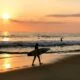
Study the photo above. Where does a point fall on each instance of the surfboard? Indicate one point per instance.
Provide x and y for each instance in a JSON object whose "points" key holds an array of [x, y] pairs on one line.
{"points": [[41, 51]]}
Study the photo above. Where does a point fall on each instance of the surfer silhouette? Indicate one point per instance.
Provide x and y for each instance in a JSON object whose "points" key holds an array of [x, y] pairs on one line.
{"points": [[36, 54]]}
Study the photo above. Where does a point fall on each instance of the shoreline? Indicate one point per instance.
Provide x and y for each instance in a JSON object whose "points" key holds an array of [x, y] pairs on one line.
{"points": [[17, 52]]}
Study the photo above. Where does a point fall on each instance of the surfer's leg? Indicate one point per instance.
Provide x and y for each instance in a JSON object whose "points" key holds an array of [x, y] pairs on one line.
{"points": [[39, 59], [33, 60]]}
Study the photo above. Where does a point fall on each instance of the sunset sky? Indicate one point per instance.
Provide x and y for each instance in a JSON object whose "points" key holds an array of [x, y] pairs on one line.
{"points": [[40, 16]]}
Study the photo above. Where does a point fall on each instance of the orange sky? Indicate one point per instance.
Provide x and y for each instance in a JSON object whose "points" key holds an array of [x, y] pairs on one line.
{"points": [[41, 15], [62, 25]]}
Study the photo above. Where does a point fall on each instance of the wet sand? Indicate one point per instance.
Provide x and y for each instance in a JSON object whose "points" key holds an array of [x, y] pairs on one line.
{"points": [[9, 62], [65, 69]]}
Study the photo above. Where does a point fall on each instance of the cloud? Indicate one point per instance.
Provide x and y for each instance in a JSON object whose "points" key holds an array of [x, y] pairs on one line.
{"points": [[17, 21], [36, 22], [63, 15]]}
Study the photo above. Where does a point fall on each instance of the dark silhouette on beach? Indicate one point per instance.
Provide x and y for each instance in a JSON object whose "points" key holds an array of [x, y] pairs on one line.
{"points": [[37, 54]]}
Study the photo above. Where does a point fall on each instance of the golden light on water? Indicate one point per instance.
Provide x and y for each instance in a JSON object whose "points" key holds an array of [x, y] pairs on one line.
{"points": [[5, 39], [6, 55], [5, 33], [6, 36], [7, 64]]}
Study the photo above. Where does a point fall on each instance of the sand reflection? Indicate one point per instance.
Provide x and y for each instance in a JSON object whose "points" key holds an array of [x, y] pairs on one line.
{"points": [[13, 62], [7, 66], [7, 62]]}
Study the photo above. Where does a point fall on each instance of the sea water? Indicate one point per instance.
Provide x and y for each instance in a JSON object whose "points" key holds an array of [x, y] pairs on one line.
{"points": [[25, 43]]}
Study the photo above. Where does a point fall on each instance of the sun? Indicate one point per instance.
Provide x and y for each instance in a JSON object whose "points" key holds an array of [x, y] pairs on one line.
{"points": [[6, 16]]}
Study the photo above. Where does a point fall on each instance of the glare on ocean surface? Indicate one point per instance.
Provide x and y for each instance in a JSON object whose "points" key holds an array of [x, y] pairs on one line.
{"points": [[5, 38], [5, 33]]}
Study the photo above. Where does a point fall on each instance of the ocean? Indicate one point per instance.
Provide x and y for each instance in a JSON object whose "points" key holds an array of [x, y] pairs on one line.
{"points": [[15, 46]]}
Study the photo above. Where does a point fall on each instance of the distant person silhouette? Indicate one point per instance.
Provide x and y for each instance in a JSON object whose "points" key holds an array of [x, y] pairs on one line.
{"points": [[37, 54], [61, 39]]}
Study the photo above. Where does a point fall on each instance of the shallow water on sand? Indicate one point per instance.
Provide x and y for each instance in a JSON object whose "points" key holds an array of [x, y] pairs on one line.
{"points": [[19, 61]]}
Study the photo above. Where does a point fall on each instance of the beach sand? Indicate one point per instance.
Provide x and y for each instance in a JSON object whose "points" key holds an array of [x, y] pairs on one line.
{"points": [[64, 69]]}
